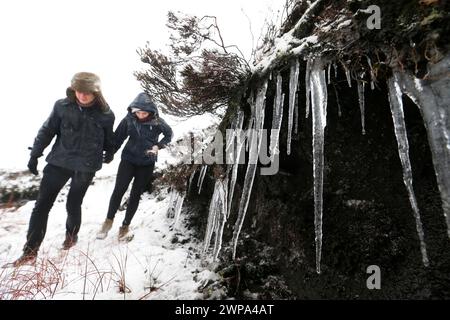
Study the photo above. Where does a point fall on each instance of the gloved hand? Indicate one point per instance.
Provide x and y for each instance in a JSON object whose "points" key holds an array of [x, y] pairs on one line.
{"points": [[153, 150], [32, 165], [108, 157], [152, 156]]}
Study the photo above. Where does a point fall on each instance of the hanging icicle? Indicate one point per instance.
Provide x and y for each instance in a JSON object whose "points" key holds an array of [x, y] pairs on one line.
{"points": [[229, 144], [201, 177], [191, 179], [361, 85], [212, 217], [432, 96], [217, 217], [347, 75], [178, 206], [251, 124], [255, 145], [329, 73], [296, 116], [307, 87], [240, 140], [395, 100], [372, 74], [319, 99], [175, 205], [337, 101], [293, 82], [276, 119], [221, 217], [172, 203]]}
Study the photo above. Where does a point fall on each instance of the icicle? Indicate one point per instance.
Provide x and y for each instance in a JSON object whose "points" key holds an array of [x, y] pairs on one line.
{"points": [[191, 179], [250, 126], [234, 170], [212, 216], [319, 101], [275, 111], [252, 164], [335, 70], [432, 96], [175, 205], [329, 71], [178, 206], [337, 101], [347, 75], [295, 114], [231, 135], [307, 86], [361, 85], [221, 217], [293, 82], [277, 119], [246, 192], [258, 121], [395, 99], [172, 203], [372, 74], [201, 178], [229, 145], [217, 217]]}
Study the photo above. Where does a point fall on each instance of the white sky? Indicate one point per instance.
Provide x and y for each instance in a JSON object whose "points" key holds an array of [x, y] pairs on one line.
{"points": [[43, 43]]}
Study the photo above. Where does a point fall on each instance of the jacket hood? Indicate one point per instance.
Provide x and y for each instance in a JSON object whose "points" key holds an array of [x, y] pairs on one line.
{"points": [[98, 95], [145, 103]]}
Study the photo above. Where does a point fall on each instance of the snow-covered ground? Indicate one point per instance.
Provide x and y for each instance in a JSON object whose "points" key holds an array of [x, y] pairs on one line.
{"points": [[162, 261]]}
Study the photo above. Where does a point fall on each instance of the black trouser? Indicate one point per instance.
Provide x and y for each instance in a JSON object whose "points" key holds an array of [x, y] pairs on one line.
{"points": [[127, 171], [52, 182]]}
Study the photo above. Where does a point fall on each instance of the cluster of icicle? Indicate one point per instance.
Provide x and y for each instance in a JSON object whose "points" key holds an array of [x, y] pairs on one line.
{"points": [[431, 98], [175, 205]]}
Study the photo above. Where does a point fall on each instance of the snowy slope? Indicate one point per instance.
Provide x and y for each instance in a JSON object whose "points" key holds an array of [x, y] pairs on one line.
{"points": [[150, 265], [163, 261]]}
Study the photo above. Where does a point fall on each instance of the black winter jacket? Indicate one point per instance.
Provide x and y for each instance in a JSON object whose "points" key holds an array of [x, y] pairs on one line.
{"points": [[82, 134], [142, 135]]}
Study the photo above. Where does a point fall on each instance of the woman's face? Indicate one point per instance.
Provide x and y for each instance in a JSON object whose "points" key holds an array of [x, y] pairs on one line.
{"points": [[85, 97], [141, 114]]}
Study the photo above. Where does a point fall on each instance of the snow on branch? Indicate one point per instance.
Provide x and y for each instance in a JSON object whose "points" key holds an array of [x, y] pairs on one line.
{"points": [[292, 42]]}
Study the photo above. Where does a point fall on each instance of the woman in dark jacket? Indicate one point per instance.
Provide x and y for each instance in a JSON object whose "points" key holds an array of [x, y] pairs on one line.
{"points": [[142, 126]]}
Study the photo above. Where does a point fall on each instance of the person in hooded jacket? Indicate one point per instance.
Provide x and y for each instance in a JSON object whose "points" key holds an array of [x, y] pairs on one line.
{"points": [[142, 126], [83, 126]]}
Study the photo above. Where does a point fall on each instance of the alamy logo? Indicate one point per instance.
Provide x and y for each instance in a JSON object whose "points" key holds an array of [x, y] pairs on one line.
{"points": [[235, 144], [374, 21], [374, 280]]}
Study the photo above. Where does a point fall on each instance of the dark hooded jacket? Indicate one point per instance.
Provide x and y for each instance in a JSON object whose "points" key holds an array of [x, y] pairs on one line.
{"points": [[82, 134], [142, 135]]}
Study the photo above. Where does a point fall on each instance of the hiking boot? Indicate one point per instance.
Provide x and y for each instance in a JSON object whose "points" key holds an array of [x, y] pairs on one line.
{"points": [[123, 232], [106, 226], [69, 242], [25, 259]]}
